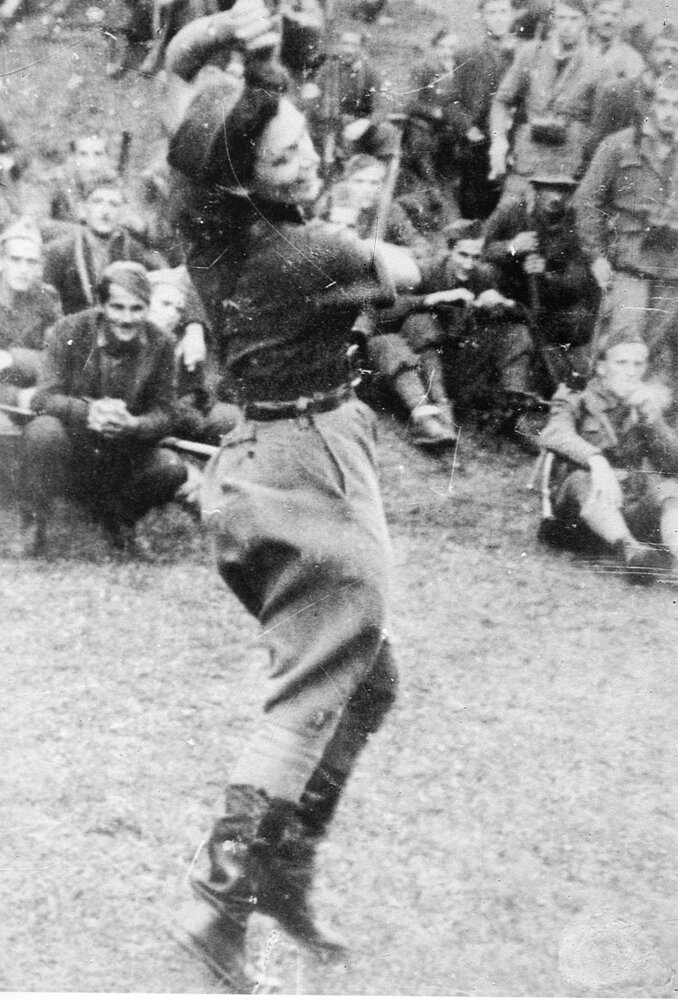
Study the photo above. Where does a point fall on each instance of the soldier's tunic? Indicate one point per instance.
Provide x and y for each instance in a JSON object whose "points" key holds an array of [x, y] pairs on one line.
{"points": [[645, 458], [24, 318], [553, 97], [627, 211], [74, 263], [122, 478]]}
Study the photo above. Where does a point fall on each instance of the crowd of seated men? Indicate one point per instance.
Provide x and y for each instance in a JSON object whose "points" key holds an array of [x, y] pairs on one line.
{"points": [[499, 199]]}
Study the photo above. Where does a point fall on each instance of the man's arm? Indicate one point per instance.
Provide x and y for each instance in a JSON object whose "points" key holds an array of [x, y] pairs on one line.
{"points": [[592, 204], [509, 96], [561, 435], [52, 396]]}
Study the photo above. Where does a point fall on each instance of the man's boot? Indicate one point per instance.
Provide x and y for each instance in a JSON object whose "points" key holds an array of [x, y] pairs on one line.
{"points": [[287, 864], [215, 927]]}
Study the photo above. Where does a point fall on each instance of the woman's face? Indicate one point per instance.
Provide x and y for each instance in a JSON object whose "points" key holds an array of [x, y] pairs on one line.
{"points": [[286, 170]]}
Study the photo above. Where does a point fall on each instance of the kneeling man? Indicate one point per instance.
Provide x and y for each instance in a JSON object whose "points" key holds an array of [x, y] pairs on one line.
{"points": [[105, 399], [622, 459]]}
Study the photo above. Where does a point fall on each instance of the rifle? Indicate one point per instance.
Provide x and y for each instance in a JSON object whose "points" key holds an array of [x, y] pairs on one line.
{"points": [[123, 155], [391, 179], [196, 448], [329, 115]]}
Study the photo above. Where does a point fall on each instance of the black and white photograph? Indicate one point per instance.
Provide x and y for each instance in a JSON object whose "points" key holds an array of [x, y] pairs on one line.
{"points": [[339, 497]]}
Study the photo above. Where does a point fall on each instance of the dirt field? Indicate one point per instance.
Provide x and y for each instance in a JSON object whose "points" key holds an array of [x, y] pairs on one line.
{"points": [[512, 830]]}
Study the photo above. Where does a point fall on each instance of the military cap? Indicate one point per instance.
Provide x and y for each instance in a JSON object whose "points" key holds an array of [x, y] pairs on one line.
{"points": [[22, 229], [623, 335], [125, 274], [176, 277], [463, 229], [563, 181]]}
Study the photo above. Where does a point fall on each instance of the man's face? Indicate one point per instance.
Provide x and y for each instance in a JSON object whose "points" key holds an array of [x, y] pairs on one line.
{"points": [[167, 307], [22, 264], [445, 51], [91, 156], [663, 55], [102, 211], [623, 369], [349, 46], [125, 312], [607, 19], [365, 185], [568, 25], [464, 257], [498, 18], [665, 113]]}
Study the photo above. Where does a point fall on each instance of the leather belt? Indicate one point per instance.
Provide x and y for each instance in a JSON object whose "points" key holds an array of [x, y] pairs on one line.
{"points": [[287, 409]]}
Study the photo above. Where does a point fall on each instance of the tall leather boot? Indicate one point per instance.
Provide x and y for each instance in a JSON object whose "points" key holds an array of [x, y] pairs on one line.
{"points": [[215, 927], [287, 862]]}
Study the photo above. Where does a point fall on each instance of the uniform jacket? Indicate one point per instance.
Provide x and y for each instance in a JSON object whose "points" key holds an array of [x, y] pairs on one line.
{"points": [[24, 318], [627, 207], [475, 82], [620, 61], [566, 289], [595, 422], [536, 88], [78, 368], [70, 265]]}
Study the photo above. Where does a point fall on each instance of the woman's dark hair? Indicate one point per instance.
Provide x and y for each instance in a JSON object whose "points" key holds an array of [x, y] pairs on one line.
{"points": [[216, 146]]}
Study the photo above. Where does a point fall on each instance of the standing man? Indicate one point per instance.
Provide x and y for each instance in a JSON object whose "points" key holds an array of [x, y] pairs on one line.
{"points": [[616, 59], [75, 262], [104, 401], [479, 71], [549, 94], [627, 207], [626, 102], [27, 308]]}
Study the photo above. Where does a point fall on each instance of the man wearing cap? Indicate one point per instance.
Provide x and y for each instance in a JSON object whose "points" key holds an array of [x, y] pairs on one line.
{"points": [[544, 105], [620, 460], [534, 244], [75, 261], [105, 399], [627, 213], [27, 308]]}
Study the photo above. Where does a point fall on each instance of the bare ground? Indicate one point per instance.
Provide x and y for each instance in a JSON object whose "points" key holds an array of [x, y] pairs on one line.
{"points": [[525, 779]]}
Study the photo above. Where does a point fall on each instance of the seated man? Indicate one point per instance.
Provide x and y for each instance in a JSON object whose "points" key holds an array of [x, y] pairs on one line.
{"points": [[105, 400], [534, 244], [75, 261], [457, 333], [27, 308], [621, 459]]}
